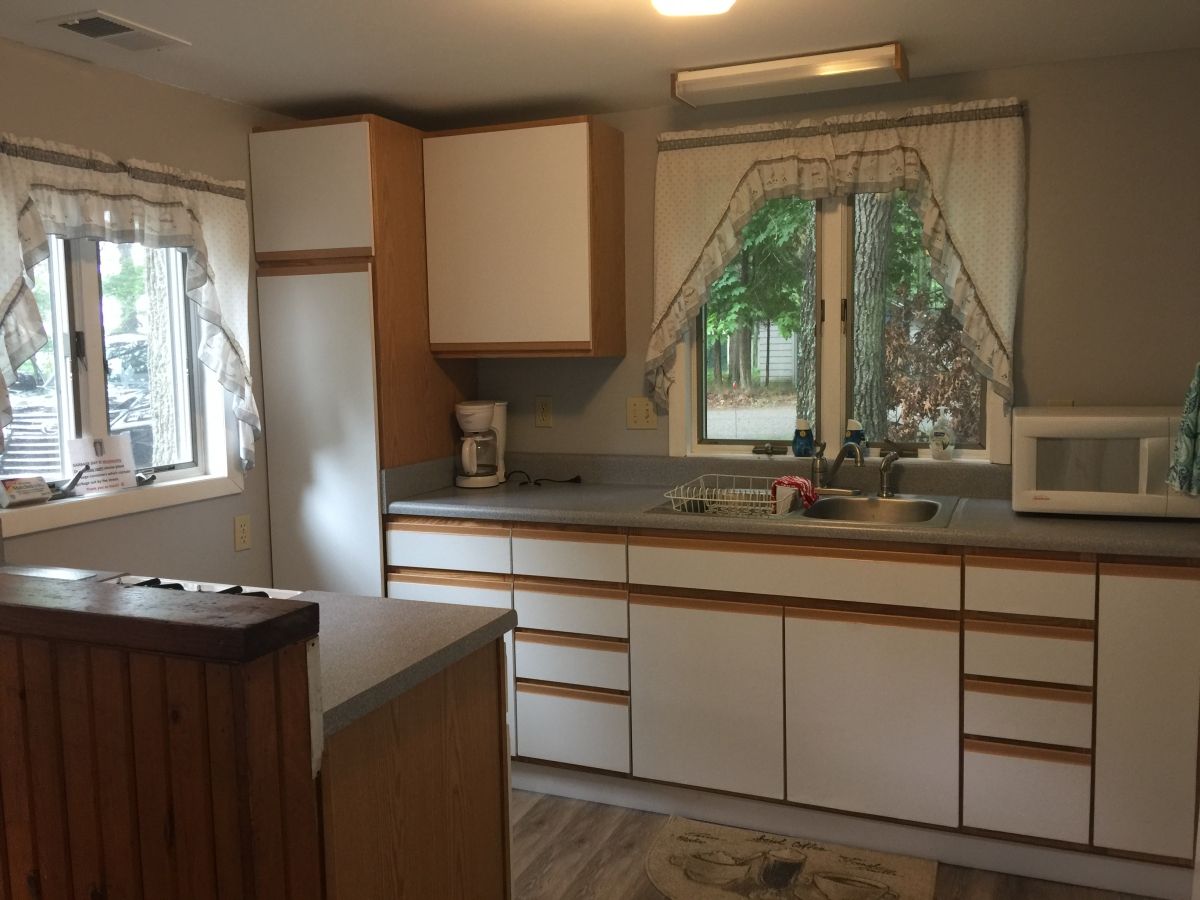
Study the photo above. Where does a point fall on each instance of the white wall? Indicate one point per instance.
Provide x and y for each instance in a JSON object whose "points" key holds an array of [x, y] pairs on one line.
{"points": [[1110, 294], [63, 99]]}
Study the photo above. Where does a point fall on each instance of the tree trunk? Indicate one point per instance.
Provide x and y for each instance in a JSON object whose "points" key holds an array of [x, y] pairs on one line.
{"points": [[767, 355], [129, 314], [745, 361], [160, 359], [806, 336], [872, 228], [716, 362]]}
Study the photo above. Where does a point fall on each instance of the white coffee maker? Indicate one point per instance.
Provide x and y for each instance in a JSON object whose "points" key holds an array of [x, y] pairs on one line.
{"points": [[481, 458]]}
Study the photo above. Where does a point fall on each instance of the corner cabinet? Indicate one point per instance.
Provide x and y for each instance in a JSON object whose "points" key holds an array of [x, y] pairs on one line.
{"points": [[525, 240]]}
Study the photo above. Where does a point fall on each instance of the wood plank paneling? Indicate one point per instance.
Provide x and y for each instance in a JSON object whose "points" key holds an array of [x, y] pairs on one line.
{"points": [[152, 765], [191, 794], [23, 877], [259, 723], [112, 725], [299, 789], [79, 770], [230, 826], [46, 769]]}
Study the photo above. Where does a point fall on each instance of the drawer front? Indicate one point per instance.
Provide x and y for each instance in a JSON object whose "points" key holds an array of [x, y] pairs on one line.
{"points": [[578, 610], [1018, 713], [1029, 652], [895, 579], [494, 592], [582, 728], [1031, 587], [587, 556], [1018, 790], [465, 548], [592, 663]]}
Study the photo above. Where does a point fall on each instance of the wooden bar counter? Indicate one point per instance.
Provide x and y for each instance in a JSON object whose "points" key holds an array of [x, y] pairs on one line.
{"points": [[158, 745]]}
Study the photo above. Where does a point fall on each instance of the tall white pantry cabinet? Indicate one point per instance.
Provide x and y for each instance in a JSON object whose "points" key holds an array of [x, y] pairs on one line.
{"points": [[349, 385]]}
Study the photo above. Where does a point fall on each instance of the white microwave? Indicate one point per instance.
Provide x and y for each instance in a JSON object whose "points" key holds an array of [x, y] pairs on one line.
{"points": [[1108, 461]]}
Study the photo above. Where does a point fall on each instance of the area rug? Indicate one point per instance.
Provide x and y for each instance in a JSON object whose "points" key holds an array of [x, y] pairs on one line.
{"points": [[697, 861]]}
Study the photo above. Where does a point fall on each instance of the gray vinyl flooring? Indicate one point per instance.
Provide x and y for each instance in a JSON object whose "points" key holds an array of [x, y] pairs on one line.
{"points": [[574, 850]]}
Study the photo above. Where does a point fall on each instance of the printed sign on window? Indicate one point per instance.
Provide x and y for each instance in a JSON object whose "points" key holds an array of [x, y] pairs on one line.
{"points": [[111, 459]]}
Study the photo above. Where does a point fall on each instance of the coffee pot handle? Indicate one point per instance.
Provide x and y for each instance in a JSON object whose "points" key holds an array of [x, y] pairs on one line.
{"points": [[470, 456]]}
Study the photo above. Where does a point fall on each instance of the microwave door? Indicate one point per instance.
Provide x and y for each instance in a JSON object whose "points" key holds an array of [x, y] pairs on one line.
{"points": [[1101, 475]]}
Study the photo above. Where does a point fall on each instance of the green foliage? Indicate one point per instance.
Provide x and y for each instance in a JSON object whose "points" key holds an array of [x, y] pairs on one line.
{"points": [[128, 285]]}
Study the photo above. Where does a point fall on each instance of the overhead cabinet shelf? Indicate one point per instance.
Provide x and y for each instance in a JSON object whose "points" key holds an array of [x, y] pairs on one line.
{"points": [[525, 240]]}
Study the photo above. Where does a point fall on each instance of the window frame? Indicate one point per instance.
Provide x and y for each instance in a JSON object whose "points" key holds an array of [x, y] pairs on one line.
{"points": [[835, 237]]}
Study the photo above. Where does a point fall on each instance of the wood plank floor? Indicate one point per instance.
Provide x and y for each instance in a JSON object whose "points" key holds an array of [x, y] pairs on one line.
{"points": [[573, 850]]}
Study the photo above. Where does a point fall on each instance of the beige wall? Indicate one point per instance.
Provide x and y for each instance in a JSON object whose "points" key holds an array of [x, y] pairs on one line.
{"points": [[1112, 283], [57, 98]]}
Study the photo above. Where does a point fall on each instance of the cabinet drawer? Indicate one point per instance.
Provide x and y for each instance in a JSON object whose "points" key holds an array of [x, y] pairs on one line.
{"points": [[585, 555], [1031, 587], [1029, 652], [865, 576], [451, 587], [1027, 791], [578, 609], [571, 660], [1020, 713], [568, 725], [465, 546]]}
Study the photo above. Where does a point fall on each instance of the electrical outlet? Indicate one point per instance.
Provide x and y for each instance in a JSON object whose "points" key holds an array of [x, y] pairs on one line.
{"points": [[241, 532], [640, 413], [543, 412]]}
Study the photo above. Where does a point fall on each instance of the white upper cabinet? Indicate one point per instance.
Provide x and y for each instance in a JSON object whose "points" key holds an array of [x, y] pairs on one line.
{"points": [[311, 190], [524, 234]]}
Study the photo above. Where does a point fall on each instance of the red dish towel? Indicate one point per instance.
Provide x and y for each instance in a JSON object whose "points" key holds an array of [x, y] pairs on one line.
{"points": [[808, 496]]}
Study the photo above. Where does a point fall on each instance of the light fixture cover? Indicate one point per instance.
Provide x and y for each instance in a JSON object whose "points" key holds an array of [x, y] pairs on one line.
{"points": [[693, 7], [791, 75]]}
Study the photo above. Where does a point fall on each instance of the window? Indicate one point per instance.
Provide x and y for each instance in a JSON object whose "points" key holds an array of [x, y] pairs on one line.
{"points": [[776, 341], [119, 360]]}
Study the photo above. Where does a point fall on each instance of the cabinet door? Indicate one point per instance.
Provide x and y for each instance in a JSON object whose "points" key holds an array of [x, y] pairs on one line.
{"points": [[872, 714], [311, 190], [1147, 697], [507, 232], [706, 688], [323, 479]]}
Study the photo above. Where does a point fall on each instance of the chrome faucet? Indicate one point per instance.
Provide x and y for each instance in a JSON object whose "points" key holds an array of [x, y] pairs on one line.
{"points": [[823, 472], [885, 475]]}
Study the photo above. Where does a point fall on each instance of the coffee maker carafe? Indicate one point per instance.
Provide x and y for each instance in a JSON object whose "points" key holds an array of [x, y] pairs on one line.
{"points": [[481, 457]]}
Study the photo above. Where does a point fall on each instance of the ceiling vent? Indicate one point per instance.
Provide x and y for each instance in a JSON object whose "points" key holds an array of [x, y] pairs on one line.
{"points": [[103, 26]]}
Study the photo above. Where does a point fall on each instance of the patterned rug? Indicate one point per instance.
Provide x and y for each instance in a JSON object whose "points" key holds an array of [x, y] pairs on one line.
{"points": [[698, 861]]}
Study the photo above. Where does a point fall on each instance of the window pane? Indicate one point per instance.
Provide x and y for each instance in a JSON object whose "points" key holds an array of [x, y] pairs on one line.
{"points": [[758, 328], [42, 395], [907, 356], [146, 349]]}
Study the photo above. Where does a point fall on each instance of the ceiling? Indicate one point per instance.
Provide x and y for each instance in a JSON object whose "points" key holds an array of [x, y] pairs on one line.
{"points": [[457, 61]]}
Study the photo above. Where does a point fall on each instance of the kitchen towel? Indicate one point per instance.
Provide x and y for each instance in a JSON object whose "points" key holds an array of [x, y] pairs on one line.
{"points": [[1184, 474]]}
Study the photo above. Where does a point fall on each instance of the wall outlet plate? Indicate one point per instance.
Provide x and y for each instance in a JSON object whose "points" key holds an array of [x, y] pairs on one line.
{"points": [[241, 532], [543, 412], [640, 413]]}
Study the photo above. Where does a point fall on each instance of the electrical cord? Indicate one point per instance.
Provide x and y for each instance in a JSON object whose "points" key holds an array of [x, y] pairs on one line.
{"points": [[528, 477], [574, 479]]}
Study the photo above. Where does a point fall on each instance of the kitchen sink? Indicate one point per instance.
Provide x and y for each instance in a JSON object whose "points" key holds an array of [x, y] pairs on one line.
{"points": [[934, 512]]}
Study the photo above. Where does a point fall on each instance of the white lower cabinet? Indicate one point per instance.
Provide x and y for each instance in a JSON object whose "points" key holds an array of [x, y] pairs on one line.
{"points": [[1027, 790], [706, 686], [573, 725], [1147, 702], [872, 713]]}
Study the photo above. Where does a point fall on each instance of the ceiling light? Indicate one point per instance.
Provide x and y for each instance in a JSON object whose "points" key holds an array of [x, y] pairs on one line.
{"points": [[692, 7], [793, 75]]}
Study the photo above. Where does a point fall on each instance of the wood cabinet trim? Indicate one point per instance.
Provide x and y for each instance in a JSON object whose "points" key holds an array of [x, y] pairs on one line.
{"points": [[723, 545], [324, 253], [600, 591], [1030, 564], [1142, 570], [513, 348], [567, 692], [1022, 629], [726, 606], [1027, 751], [883, 619], [462, 527], [581, 535], [559, 639], [1027, 691], [484, 580], [510, 126], [848, 606], [338, 268], [313, 123]]}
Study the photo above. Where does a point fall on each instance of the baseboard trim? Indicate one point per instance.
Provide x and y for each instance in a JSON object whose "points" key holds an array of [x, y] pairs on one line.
{"points": [[1085, 869]]}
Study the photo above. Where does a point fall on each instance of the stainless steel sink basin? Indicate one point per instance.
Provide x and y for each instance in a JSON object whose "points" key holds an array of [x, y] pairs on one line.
{"points": [[933, 512]]}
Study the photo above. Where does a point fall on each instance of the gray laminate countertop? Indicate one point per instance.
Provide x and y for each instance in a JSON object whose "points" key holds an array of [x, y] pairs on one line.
{"points": [[374, 649], [976, 523]]}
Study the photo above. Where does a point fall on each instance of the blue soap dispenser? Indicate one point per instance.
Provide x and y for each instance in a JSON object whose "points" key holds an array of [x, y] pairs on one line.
{"points": [[802, 440]]}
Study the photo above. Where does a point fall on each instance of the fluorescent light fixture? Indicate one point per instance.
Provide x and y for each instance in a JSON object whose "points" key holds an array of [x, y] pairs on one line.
{"points": [[693, 7], [793, 75]]}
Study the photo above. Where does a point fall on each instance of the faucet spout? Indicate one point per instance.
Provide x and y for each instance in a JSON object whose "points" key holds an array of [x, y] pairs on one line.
{"points": [[847, 448]]}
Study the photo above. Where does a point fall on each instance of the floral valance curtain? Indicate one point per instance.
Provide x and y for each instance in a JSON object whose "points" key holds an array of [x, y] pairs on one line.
{"points": [[55, 189], [963, 166]]}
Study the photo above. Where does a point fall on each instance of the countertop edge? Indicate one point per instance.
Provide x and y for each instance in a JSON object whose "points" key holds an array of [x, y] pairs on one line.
{"points": [[366, 702]]}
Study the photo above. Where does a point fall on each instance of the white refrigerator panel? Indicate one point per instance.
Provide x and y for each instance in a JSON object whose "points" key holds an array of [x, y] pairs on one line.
{"points": [[318, 354]]}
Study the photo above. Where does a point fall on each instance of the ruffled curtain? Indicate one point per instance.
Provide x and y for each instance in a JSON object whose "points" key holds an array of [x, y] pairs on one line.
{"points": [[55, 189], [963, 166]]}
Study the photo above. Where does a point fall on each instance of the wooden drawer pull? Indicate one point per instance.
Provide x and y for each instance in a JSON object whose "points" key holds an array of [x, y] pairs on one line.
{"points": [[1027, 691], [831, 615], [726, 606], [1021, 629], [1023, 751], [572, 693], [614, 645]]}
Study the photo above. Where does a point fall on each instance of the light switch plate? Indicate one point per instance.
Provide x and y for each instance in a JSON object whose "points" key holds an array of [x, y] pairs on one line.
{"points": [[543, 412], [640, 413]]}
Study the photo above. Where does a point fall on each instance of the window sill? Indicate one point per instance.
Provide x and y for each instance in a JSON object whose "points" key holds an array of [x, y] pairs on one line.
{"points": [[77, 511]]}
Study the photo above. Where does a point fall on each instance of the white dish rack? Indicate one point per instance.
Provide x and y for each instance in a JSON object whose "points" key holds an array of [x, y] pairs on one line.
{"points": [[724, 495]]}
